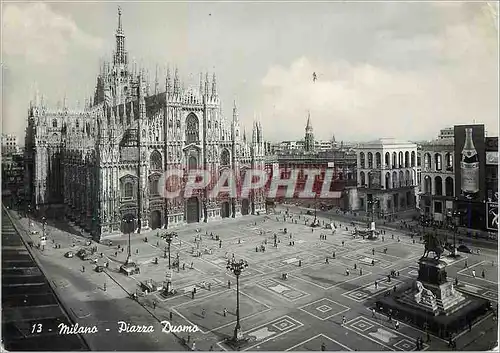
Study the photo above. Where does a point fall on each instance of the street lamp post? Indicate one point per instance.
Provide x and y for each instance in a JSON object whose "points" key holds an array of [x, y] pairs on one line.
{"points": [[237, 267], [315, 208], [456, 214], [29, 218], [168, 238], [128, 221], [372, 204]]}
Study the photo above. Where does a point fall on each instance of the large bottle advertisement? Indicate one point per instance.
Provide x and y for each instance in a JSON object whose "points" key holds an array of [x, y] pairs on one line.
{"points": [[469, 162]]}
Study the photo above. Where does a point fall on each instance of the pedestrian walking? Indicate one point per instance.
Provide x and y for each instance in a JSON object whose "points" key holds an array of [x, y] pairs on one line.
{"points": [[483, 274], [104, 286], [193, 347], [228, 284], [373, 313], [171, 315], [83, 268], [344, 320], [347, 272], [154, 304], [376, 284], [211, 349], [355, 266], [396, 325], [361, 272], [474, 273], [333, 255], [203, 312], [373, 251], [323, 346], [326, 261], [224, 312], [342, 243]]}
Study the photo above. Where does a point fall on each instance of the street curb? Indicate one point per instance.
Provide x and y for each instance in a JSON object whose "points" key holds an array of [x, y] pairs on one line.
{"points": [[65, 310]]}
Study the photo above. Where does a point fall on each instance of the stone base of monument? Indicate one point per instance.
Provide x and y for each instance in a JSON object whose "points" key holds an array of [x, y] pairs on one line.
{"points": [[433, 303]]}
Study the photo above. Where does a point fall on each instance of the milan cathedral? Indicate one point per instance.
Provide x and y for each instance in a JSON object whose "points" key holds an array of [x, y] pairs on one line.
{"points": [[102, 164]]}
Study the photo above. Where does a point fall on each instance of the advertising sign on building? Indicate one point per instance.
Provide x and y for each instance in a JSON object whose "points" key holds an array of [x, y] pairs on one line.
{"points": [[491, 158], [492, 216], [469, 162]]}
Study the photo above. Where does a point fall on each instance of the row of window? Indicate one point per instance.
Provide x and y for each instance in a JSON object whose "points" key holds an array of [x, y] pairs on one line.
{"points": [[397, 202], [398, 160], [438, 186], [391, 181], [156, 160], [437, 161]]}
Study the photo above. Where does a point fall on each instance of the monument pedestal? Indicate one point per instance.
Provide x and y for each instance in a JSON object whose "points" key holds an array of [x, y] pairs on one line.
{"points": [[433, 278], [433, 303]]}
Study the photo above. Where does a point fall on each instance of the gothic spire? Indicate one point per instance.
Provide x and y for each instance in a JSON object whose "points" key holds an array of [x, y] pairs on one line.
{"points": [[120, 29], [156, 81], [201, 83], [168, 81], [214, 86], [207, 84], [235, 112], [120, 54], [308, 125], [177, 86]]}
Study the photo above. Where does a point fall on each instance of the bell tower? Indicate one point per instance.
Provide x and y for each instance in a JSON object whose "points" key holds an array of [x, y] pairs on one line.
{"points": [[309, 137]]}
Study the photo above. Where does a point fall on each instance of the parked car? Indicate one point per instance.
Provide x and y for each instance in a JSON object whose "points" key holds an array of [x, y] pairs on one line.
{"points": [[83, 254], [100, 269], [463, 248], [69, 254]]}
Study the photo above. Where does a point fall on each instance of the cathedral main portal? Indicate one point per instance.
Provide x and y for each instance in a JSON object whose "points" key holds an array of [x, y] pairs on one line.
{"points": [[155, 219], [245, 207], [225, 210], [192, 210]]}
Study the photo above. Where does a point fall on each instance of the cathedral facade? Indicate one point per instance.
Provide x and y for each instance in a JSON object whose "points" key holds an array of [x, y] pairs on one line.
{"points": [[103, 163]]}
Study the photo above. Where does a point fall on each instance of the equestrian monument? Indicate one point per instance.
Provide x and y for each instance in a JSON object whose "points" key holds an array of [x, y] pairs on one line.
{"points": [[432, 302]]}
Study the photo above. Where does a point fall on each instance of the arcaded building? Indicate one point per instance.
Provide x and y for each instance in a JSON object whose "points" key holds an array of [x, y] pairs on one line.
{"points": [[387, 177], [438, 180], [101, 165]]}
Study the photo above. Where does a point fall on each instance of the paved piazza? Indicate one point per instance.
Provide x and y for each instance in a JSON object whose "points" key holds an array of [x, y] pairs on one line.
{"points": [[301, 313]]}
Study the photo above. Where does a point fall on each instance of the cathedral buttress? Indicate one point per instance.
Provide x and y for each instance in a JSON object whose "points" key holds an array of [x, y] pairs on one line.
{"points": [[142, 135]]}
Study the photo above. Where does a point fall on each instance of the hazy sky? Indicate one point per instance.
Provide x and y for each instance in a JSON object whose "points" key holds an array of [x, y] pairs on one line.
{"points": [[400, 70]]}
